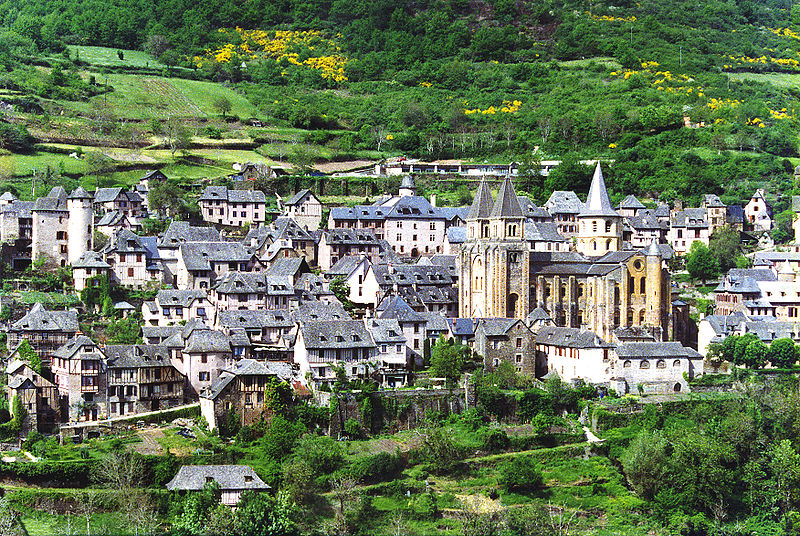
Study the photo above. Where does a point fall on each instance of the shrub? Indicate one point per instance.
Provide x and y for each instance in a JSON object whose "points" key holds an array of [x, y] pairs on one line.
{"points": [[377, 468], [352, 428], [496, 441], [520, 475]]}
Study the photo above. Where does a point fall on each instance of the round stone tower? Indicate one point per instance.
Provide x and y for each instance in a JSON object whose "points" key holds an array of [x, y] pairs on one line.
{"points": [[81, 224]]}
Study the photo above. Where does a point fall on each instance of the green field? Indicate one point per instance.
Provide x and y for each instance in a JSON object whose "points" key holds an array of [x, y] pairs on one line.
{"points": [[154, 97], [776, 79], [107, 57]]}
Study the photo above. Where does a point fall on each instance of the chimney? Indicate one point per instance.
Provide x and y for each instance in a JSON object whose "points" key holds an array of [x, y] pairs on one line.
{"points": [[433, 200]]}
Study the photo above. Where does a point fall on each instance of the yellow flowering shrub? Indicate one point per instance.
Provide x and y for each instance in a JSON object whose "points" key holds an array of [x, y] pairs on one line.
{"points": [[305, 49]]}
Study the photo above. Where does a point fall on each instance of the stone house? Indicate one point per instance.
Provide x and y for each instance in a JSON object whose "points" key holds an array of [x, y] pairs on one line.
{"points": [[654, 367], [758, 212], [127, 202], [688, 226], [62, 226], [251, 291], [336, 243], [574, 353], [233, 208], [90, 265], [46, 331], [322, 345], [564, 207], [630, 207], [716, 212], [141, 378], [203, 354], [233, 480], [353, 270], [508, 340], [16, 230], [111, 222], [411, 322], [173, 306], [392, 352], [425, 287], [180, 232], [264, 330], [38, 396], [201, 264], [79, 371], [240, 388], [305, 208], [134, 259], [284, 237]]}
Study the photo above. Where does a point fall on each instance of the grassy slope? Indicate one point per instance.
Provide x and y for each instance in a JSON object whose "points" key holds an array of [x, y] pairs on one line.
{"points": [[107, 57]]}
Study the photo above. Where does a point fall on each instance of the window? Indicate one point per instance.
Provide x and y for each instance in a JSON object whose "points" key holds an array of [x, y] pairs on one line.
{"points": [[645, 364], [63, 248], [130, 272], [204, 358], [519, 342], [608, 226], [61, 235], [204, 376]]}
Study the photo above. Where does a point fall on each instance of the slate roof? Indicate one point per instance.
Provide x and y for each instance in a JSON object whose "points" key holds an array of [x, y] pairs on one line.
{"points": [[633, 332], [712, 201], [456, 235], [125, 241], [464, 327], [647, 350], [106, 195], [80, 193], [725, 324], [690, 217], [251, 367], [385, 330], [397, 308], [506, 205], [296, 198], [229, 477], [206, 340], [200, 255], [405, 207], [563, 202], [137, 355], [111, 218], [736, 284], [287, 267], [232, 196], [56, 201], [21, 209], [40, 319], [91, 259], [412, 274], [539, 315], [496, 327], [445, 261], [288, 228], [180, 232], [631, 202], [179, 298], [336, 334], [542, 232], [318, 311], [569, 337], [8, 196], [346, 266], [74, 346], [249, 320], [342, 236], [482, 203], [645, 221], [734, 214], [597, 202], [757, 274]]}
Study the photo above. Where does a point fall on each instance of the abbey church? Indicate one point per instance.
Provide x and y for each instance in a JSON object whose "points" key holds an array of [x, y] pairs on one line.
{"points": [[598, 286]]}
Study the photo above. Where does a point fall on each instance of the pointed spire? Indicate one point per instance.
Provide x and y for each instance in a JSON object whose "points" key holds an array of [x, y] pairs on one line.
{"points": [[482, 204], [507, 205], [598, 203], [653, 250]]}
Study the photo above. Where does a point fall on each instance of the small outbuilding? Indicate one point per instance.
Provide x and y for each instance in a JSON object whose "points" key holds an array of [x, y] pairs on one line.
{"points": [[233, 480]]}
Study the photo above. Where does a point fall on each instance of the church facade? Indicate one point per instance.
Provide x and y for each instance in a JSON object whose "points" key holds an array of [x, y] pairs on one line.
{"points": [[599, 286]]}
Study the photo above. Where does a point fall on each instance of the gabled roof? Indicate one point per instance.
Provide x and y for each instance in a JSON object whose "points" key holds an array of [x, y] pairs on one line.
{"points": [[206, 340], [137, 355], [645, 350], [563, 202], [497, 327], [597, 202], [397, 308], [569, 337], [234, 196], [336, 334], [347, 265], [385, 330], [200, 255], [507, 205], [542, 232], [246, 319], [630, 202], [464, 327], [229, 477], [456, 235], [56, 201], [80, 193], [40, 319], [180, 232], [317, 311], [91, 259], [296, 198], [179, 298], [482, 204], [74, 346]]}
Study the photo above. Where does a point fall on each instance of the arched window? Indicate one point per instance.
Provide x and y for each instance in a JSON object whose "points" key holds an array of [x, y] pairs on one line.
{"points": [[641, 317], [677, 388], [511, 306], [608, 244], [645, 364], [477, 275], [661, 364], [594, 244], [642, 285], [676, 363], [627, 364], [580, 290]]}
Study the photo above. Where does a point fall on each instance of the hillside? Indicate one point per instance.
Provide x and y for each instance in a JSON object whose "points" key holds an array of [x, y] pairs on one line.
{"points": [[506, 80]]}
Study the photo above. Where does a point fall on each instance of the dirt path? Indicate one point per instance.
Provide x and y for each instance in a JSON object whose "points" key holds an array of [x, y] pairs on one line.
{"points": [[149, 444]]}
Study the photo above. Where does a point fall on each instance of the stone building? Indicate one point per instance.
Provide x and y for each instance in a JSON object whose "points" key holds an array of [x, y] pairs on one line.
{"points": [[173, 306], [507, 340], [599, 287], [39, 396], [62, 226], [235, 208], [305, 208], [89, 268], [46, 331], [240, 388], [141, 378]]}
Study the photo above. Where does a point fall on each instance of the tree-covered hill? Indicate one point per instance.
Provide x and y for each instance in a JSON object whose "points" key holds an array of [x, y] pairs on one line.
{"points": [[685, 97]]}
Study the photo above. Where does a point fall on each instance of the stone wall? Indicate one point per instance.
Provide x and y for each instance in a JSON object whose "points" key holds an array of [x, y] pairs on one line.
{"points": [[393, 410]]}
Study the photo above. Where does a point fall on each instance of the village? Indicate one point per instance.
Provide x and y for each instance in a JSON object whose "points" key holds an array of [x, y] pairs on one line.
{"points": [[578, 289]]}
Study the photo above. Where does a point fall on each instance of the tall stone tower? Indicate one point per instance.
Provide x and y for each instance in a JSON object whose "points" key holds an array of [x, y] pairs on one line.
{"points": [[495, 269], [80, 229], [657, 307], [599, 225]]}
